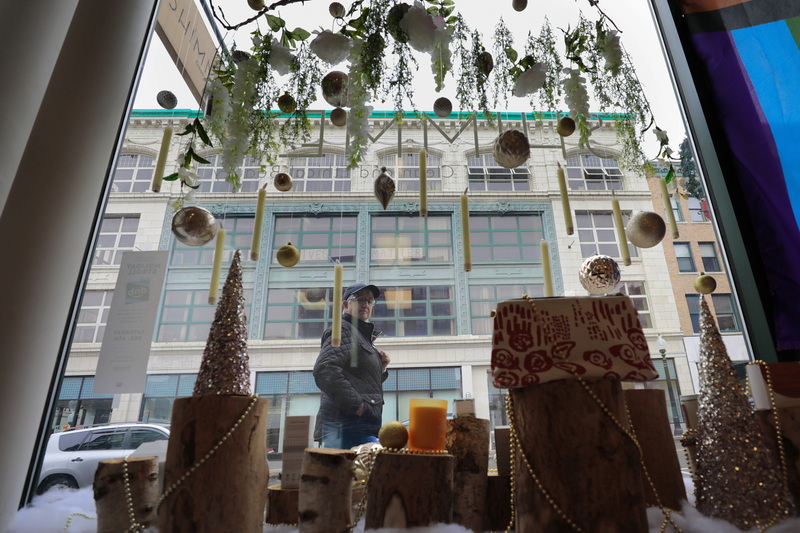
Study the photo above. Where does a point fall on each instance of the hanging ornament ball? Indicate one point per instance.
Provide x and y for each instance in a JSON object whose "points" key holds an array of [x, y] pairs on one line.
{"points": [[334, 88], [282, 181], [442, 107], [287, 103], [193, 225], [485, 62], [315, 295], [339, 117], [565, 126], [599, 274], [705, 284], [288, 255], [239, 55], [646, 229], [336, 10], [511, 149], [384, 188], [519, 5], [256, 5], [167, 99], [393, 18], [393, 435]]}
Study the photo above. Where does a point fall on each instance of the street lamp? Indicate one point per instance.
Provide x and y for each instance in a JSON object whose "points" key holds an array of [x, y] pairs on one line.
{"points": [[662, 349]]}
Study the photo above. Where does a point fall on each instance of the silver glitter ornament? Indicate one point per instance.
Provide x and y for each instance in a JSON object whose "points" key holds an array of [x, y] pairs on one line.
{"points": [[645, 229], [282, 181], [442, 107], [334, 88], [167, 99], [225, 369], [339, 117], [384, 188], [511, 149], [194, 225], [599, 274]]}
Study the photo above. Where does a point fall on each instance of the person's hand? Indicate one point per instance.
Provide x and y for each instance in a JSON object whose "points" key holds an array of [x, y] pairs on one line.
{"points": [[361, 409], [385, 359]]}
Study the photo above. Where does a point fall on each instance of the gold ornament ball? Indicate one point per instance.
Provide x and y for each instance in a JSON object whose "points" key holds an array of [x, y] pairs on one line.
{"points": [[519, 5], [315, 295], [565, 126], [256, 5], [705, 284], [287, 103], [339, 117], [336, 10], [646, 229], [282, 181], [393, 435], [384, 188], [334, 88], [288, 255], [194, 225], [599, 274], [511, 149], [442, 107]]}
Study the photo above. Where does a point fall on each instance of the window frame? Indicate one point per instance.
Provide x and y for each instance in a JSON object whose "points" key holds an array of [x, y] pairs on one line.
{"points": [[141, 167], [407, 312], [484, 174], [212, 180], [117, 235], [606, 172], [438, 240], [340, 179], [688, 258], [482, 240], [407, 179], [647, 312], [596, 244], [716, 265]]}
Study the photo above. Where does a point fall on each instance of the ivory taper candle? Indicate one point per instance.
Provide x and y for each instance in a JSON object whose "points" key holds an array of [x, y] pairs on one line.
{"points": [[336, 327], [161, 163], [256, 244], [562, 186], [668, 208], [213, 289], [465, 231], [423, 183], [547, 272], [622, 239]]}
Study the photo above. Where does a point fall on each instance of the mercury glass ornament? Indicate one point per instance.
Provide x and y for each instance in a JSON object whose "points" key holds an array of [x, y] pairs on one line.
{"points": [[339, 117], [511, 149], [288, 255], [442, 107], [336, 10], [287, 103], [705, 284], [384, 188], [565, 126], [519, 5], [167, 99], [256, 5], [334, 88], [282, 181], [485, 62], [599, 274], [194, 225], [646, 229], [315, 295]]}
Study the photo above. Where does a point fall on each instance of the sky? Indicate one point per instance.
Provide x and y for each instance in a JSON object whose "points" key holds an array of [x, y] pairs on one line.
{"points": [[632, 17]]}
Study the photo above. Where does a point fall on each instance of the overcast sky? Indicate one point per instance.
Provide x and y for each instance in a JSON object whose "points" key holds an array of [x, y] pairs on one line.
{"points": [[633, 17]]}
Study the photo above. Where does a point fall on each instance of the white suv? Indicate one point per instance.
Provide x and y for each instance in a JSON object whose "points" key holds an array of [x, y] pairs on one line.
{"points": [[71, 457]]}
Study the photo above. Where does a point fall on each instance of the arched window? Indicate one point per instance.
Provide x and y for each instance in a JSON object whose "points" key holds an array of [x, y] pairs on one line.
{"points": [[325, 173], [587, 172], [406, 171]]}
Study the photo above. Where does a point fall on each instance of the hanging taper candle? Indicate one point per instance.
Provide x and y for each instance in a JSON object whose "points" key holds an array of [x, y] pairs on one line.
{"points": [[336, 327], [161, 163], [465, 231], [622, 239], [562, 186], [255, 246], [673, 227], [547, 273], [213, 289], [423, 183]]}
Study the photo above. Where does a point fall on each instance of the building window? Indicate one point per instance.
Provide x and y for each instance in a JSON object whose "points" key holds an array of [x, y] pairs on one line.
{"points": [[591, 173], [486, 175], [289, 394], [683, 253], [212, 175], [708, 252], [403, 384], [506, 238], [93, 316], [483, 299], [698, 210], [117, 235], [185, 316], [676, 209], [693, 303], [415, 311], [238, 236], [78, 405], [406, 171], [597, 234], [635, 291], [160, 392], [401, 239], [298, 313], [319, 239], [134, 173], [725, 311], [326, 173]]}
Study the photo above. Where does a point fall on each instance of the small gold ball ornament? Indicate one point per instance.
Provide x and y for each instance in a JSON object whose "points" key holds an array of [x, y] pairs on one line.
{"points": [[288, 255], [393, 435], [442, 107], [256, 5], [339, 117], [334, 88], [646, 229], [565, 126], [599, 274], [194, 225], [511, 149], [336, 10], [705, 284], [282, 181], [315, 295], [287, 103], [384, 188]]}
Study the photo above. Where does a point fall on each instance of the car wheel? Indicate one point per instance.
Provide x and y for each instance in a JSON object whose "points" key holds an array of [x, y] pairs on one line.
{"points": [[60, 480]]}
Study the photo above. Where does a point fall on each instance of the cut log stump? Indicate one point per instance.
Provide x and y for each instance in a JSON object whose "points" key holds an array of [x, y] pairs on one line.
{"points": [[110, 499], [326, 485], [467, 440], [282, 505]]}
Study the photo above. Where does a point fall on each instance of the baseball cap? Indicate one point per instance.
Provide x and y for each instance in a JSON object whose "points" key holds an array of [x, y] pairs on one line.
{"points": [[355, 287]]}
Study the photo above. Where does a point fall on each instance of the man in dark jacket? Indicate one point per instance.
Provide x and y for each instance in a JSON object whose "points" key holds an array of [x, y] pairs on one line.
{"points": [[351, 375]]}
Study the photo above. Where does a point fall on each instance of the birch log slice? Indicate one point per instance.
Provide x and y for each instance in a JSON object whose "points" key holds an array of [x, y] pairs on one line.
{"points": [[109, 493], [282, 505], [326, 482], [467, 440], [498, 502]]}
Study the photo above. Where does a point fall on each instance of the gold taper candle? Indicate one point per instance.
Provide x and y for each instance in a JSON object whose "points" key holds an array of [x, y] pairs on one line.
{"points": [[423, 183], [668, 208], [562, 186], [547, 273], [161, 163], [255, 246], [213, 289], [465, 231], [622, 239], [336, 327]]}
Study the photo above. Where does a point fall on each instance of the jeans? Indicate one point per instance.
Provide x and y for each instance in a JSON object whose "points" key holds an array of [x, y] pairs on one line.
{"points": [[334, 437]]}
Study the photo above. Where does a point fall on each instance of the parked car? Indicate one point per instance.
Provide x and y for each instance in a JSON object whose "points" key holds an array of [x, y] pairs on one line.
{"points": [[72, 456]]}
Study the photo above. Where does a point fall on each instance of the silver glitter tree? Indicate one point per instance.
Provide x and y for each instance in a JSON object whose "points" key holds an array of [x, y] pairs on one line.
{"points": [[225, 369], [738, 477]]}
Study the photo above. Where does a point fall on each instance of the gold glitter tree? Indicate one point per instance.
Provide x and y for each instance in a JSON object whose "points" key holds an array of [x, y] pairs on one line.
{"points": [[225, 369], [738, 477]]}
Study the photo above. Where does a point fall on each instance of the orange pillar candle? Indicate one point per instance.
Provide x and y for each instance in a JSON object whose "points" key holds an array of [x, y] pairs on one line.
{"points": [[427, 424]]}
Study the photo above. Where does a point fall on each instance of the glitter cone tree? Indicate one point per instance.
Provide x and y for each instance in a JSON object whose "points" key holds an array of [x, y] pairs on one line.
{"points": [[225, 369], [738, 477]]}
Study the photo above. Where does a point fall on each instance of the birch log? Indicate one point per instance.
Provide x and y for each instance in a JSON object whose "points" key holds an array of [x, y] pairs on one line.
{"points": [[325, 500], [282, 505], [109, 493], [467, 440]]}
